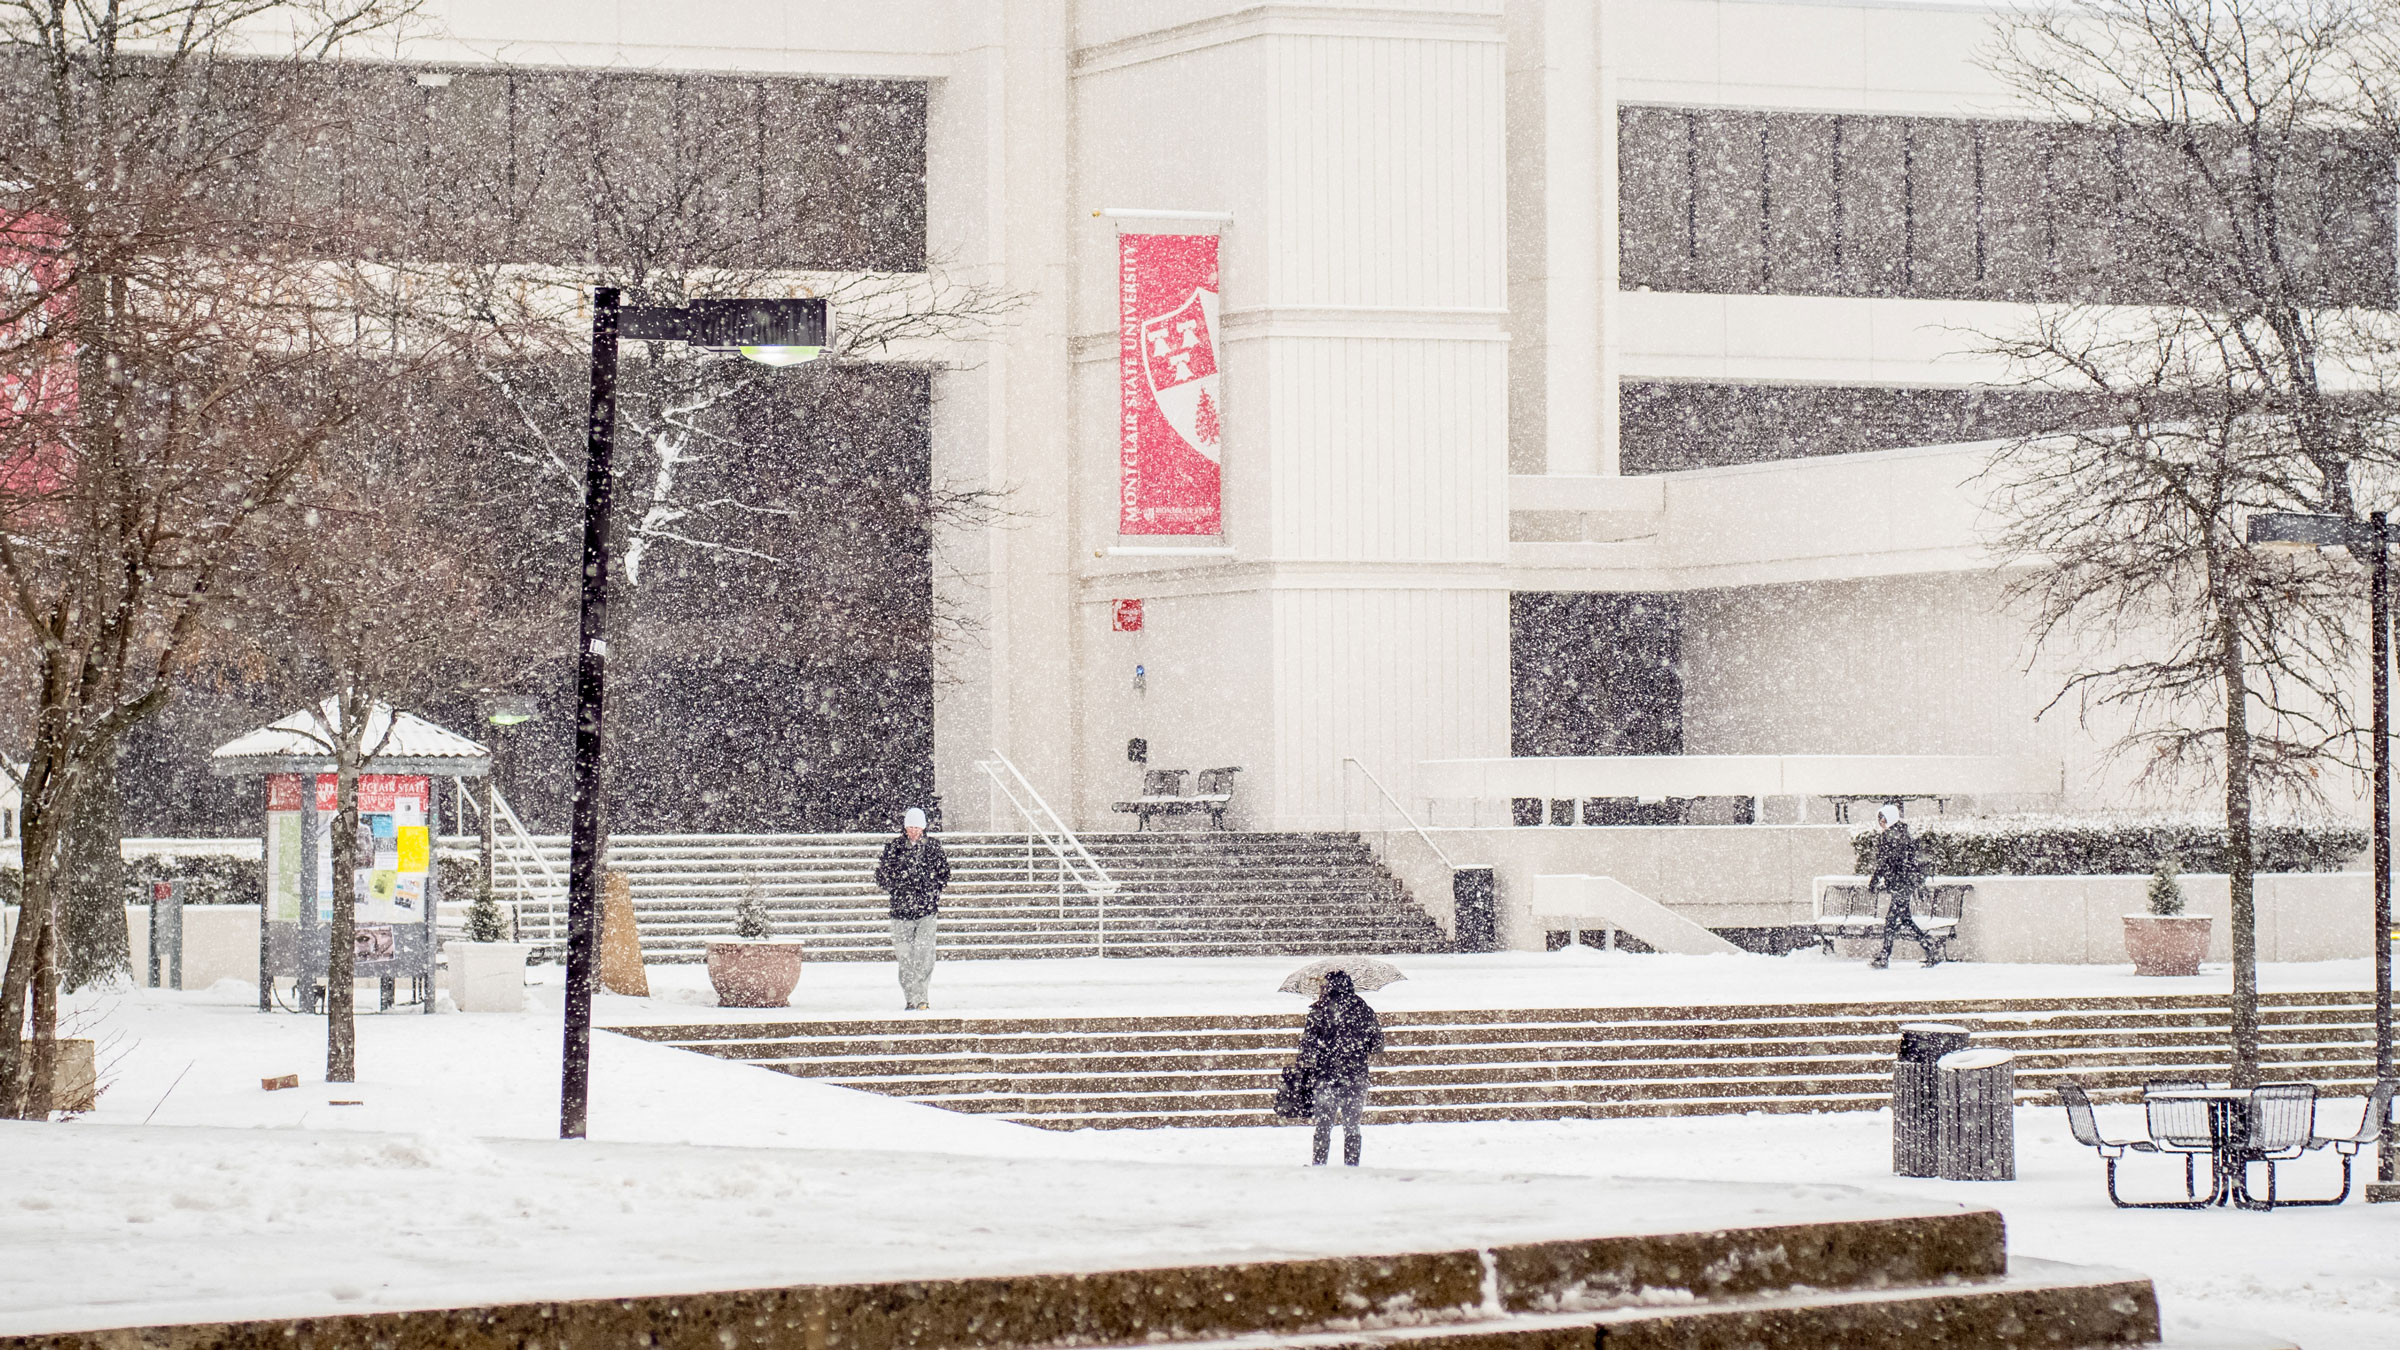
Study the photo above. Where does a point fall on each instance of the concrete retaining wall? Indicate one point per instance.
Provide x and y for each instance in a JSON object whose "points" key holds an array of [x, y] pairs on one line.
{"points": [[1718, 876], [220, 942], [2302, 916]]}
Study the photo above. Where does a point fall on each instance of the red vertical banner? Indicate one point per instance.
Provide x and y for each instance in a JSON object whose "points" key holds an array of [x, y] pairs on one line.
{"points": [[1170, 416]]}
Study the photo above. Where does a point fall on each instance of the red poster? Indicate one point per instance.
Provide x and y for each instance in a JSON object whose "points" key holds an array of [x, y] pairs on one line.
{"points": [[1168, 354]]}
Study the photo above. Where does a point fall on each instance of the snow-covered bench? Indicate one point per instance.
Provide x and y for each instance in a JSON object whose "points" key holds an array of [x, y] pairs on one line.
{"points": [[1845, 908], [1162, 795]]}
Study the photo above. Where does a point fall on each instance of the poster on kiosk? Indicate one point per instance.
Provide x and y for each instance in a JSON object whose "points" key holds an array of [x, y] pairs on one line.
{"points": [[395, 854]]}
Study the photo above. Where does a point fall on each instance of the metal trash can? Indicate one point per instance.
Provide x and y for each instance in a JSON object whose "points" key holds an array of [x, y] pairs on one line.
{"points": [[1978, 1098], [1475, 919], [1916, 1107]]}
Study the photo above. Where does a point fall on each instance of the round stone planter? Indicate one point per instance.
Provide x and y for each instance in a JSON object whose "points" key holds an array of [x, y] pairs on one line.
{"points": [[754, 972], [2166, 944]]}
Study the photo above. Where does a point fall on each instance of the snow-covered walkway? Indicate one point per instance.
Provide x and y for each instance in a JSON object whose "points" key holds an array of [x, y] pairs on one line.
{"points": [[443, 1185]]}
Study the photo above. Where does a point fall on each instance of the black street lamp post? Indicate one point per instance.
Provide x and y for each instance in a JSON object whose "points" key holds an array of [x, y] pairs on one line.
{"points": [[2372, 537], [770, 332]]}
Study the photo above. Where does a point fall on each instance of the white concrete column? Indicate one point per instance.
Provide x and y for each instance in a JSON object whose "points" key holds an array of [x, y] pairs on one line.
{"points": [[1572, 235]]}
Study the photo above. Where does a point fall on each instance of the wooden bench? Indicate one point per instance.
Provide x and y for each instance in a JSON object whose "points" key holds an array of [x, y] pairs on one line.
{"points": [[1847, 909], [1163, 795]]}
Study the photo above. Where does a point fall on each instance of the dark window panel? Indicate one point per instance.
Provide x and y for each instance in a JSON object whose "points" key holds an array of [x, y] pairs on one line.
{"points": [[885, 137], [2359, 243], [1595, 673], [468, 155], [1654, 199], [1665, 426], [383, 165], [1800, 214], [2167, 221], [2017, 228], [1728, 179], [2083, 213], [552, 156], [1874, 206], [1942, 208], [1937, 207]]}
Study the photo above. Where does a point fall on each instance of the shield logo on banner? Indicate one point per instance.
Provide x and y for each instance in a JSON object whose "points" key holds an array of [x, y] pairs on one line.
{"points": [[1179, 354]]}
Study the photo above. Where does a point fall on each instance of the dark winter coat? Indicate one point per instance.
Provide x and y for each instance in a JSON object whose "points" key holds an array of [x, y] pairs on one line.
{"points": [[913, 875], [1897, 867], [1342, 1033]]}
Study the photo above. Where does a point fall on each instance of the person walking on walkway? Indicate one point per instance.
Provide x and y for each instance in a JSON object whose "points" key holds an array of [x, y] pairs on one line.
{"points": [[1899, 871], [912, 872], [1342, 1033]]}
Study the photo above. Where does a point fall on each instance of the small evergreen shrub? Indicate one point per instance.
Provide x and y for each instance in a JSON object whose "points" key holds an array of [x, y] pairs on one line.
{"points": [[2165, 895], [486, 922], [2061, 846], [750, 915]]}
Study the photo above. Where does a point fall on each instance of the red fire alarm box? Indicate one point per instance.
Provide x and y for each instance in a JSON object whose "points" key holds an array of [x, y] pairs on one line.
{"points": [[1126, 615]]}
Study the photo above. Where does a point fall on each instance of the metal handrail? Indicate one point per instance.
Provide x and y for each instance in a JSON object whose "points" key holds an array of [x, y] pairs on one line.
{"points": [[1369, 775], [1045, 825], [515, 845], [524, 841]]}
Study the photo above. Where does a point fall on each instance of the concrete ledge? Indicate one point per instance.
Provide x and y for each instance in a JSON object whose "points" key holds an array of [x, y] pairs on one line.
{"points": [[1543, 1276], [1294, 1297]]}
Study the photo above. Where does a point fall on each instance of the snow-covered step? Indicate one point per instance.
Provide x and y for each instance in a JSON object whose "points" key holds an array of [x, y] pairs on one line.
{"points": [[1188, 893], [1133, 1072]]}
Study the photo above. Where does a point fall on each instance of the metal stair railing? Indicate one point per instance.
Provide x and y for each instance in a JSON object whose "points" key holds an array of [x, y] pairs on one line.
{"points": [[1394, 802], [515, 848], [1075, 862], [1383, 832]]}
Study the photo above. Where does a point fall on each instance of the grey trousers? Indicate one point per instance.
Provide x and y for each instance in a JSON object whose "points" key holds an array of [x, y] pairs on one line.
{"points": [[912, 942], [1340, 1104]]}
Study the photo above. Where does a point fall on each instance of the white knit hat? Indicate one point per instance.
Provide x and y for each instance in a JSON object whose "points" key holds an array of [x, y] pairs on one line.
{"points": [[1889, 815], [915, 819]]}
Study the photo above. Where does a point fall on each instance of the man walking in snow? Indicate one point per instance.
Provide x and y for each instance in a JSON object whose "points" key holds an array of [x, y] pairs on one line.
{"points": [[1899, 871], [912, 872]]}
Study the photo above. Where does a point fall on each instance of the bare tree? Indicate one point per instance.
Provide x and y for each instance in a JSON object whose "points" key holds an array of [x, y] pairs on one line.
{"points": [[173, 357], [2227, 663], [2238, 187], [663, 228], [365, 596]]}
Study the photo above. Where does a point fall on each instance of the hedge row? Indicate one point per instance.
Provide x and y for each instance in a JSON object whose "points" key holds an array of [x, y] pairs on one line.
{"points": [[1988, 849]]}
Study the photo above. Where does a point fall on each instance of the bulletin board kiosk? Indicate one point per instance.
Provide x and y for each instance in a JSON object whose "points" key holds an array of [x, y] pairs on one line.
{"points": [[396, 888]]}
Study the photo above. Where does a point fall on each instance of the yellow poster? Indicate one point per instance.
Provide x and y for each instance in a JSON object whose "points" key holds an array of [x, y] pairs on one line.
{"points": [[416, 848]]}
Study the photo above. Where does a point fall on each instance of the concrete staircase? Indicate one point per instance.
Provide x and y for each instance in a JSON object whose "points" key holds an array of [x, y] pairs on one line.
{"points": [[1138, 1072], [1182, 893]]}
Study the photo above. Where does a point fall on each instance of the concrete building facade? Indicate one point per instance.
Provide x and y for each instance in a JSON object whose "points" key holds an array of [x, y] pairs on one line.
{"points": [[1672, 301]]}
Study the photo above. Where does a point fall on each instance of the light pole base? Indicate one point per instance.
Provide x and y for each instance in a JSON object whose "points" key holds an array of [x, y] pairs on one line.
{"points": [[2383, 1192]]}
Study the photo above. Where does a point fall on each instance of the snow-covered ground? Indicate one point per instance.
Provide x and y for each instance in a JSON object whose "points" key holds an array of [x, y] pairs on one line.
{"points": [[443, 1184]]}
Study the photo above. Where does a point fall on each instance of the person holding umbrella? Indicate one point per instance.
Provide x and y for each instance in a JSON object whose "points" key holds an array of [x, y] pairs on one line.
{"points": [[1341, 1035]]}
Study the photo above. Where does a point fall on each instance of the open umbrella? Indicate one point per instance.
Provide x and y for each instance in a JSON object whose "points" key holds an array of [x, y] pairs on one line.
{"points": [[1365, 972]]}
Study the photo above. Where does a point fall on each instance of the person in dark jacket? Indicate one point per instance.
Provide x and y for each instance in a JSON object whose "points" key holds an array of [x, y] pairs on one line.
{"points": [[912, 872], [1898, 870], [1342, 1033]]}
